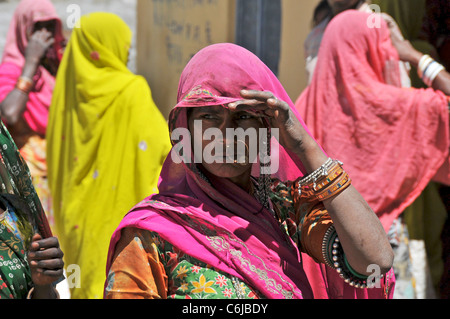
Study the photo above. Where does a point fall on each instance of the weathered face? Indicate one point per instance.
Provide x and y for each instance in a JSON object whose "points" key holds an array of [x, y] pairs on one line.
{"points": [[225, 154]]}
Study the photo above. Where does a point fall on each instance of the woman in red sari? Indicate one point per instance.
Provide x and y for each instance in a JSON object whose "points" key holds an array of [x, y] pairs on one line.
{"points": [[393, 140], [235, 229]]}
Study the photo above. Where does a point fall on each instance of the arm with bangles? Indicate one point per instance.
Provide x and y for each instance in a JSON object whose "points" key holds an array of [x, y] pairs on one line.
{"points": [[360, 232], [430, 71], [14, 104]]}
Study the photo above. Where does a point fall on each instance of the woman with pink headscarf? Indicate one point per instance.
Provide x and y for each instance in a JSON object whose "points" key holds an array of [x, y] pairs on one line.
{"points": [[394, 140], [30, 60], [236, 224]]}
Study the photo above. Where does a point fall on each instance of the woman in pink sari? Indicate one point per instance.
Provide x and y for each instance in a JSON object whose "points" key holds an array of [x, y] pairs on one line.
{"points": [[238, 227], [394, 140], [30, 60]]}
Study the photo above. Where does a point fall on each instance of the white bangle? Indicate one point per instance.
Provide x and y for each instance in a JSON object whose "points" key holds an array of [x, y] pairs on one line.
{"points": [[321, 171], [431, 72], [438, 69], [424, 62]]}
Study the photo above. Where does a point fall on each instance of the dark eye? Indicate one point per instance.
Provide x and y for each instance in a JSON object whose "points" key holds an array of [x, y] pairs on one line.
{"points": [[207, 117], [245, 116]]}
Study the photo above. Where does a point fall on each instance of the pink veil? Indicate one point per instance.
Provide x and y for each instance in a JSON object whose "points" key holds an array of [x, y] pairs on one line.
{"points": [[27, 13], [392, 140]]}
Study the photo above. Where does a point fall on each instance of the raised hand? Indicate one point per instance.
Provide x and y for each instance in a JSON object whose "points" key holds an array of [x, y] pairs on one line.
{"points": [[292, 134], [38, 45]]}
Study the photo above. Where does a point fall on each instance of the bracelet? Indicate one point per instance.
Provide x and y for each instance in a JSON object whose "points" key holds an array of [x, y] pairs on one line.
{"points": [[321, 171], [329, 237], [428, 69], [24, 84], [335, 258], [433, 70], [423, 64], [327, 181], [335, 171], [338, 186]]}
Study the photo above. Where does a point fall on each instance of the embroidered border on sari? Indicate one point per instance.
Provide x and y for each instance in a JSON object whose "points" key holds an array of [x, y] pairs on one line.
{"points": [[220, 242]]}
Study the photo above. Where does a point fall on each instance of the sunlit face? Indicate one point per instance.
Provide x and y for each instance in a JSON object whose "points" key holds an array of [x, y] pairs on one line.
{"points": [[338, 6], [221, 118]]}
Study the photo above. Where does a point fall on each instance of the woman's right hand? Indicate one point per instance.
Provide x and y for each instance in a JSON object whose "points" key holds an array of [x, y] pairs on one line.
{"points": [[292, 134], [38, 45]]}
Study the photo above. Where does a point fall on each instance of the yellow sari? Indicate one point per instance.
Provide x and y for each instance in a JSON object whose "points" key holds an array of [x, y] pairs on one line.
{"points": [[106, 142]]}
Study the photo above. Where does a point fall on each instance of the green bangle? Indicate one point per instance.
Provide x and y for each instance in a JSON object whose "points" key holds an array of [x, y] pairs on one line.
{"points": [[352, 271]]}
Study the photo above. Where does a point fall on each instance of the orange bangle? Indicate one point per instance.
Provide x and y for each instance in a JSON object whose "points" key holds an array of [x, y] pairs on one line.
{"points": [[334, 172], [335, 188], [318, 189], [24, 84]]}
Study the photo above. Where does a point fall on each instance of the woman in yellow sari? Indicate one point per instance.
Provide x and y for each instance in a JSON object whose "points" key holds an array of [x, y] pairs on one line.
{"points": [[107, 141]]}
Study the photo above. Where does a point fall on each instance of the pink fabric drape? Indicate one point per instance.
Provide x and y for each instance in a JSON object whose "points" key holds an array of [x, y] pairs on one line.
{"points": [[392, 140], [219, 223], [27, 13]]}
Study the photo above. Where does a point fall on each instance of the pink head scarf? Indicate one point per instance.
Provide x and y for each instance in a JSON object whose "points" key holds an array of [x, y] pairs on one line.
{"points": [[218, 222], [27, 13], [392, 140]]}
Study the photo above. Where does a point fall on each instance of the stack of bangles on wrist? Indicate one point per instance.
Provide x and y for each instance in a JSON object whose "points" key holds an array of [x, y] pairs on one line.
{"points": [[326, 182], [24, 84], [429, 69]]}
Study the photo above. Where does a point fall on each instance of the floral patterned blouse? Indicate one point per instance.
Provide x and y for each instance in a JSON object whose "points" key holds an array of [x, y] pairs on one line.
{"points": [[146, 266], [149, 267]]}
